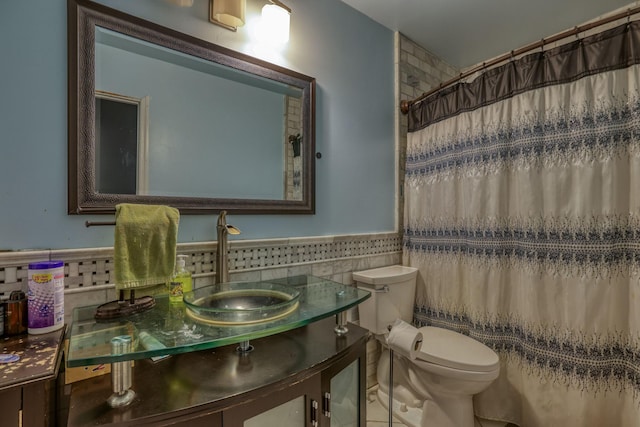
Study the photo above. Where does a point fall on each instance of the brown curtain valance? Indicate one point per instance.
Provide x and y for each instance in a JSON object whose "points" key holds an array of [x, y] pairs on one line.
{"points": [[612, 49]]}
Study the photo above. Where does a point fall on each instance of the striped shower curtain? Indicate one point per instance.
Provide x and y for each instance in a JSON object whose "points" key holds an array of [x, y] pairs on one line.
{"points": [[522, 213]]}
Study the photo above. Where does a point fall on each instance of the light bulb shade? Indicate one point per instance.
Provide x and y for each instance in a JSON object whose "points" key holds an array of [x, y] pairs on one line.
{"points": [[228, 12], [275, 22]]}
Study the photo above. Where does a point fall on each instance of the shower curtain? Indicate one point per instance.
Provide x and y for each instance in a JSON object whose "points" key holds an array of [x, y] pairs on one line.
{"points": [[522, 213]]}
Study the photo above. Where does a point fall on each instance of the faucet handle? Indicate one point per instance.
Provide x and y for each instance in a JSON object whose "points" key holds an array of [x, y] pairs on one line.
{"points": [[232, 230], [222, 224]]}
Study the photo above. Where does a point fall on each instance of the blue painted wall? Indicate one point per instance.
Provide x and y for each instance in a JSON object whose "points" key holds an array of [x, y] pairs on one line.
{"points": [[350, 55]]}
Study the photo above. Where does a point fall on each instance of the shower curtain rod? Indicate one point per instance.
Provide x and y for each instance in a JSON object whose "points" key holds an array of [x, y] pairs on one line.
{"points": [[405, 105]]}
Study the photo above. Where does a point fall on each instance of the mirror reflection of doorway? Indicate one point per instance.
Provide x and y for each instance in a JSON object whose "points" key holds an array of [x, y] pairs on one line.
{"points": [[121, 144]]}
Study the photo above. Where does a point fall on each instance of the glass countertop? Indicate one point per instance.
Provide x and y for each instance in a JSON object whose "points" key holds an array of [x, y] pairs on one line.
{"points": [[167, 328]]}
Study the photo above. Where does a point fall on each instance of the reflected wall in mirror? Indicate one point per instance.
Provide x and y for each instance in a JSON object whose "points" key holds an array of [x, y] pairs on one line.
{"points": [[157, 116]]}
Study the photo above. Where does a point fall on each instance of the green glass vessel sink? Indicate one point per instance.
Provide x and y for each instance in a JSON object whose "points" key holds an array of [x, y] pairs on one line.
{"points": [[241, 303]]}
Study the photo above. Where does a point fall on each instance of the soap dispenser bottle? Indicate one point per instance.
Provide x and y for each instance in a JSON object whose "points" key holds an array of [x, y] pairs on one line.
{"points": [[181, 281]]}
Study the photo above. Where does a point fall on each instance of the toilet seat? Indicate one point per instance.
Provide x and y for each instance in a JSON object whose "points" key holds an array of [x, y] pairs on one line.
{"points": [[454, 350]]}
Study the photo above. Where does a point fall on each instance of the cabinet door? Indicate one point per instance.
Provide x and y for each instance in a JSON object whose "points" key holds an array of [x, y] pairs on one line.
{"points": [[343, 393], [293, 406], [11, 406], [39, 404]]}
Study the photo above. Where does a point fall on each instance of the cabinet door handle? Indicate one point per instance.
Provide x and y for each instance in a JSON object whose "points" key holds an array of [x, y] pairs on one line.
{"points": [[326, 404], [314, 413]]}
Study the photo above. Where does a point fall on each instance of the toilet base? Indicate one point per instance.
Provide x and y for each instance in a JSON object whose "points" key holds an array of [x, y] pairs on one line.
{"points": [[412, 417], [409, 416]]}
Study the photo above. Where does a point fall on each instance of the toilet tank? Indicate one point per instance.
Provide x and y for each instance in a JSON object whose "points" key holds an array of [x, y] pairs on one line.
{"points": [[392, 296]]}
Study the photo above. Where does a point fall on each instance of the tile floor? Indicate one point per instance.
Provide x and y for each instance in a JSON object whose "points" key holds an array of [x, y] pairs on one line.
{"points": [[378, 416]]}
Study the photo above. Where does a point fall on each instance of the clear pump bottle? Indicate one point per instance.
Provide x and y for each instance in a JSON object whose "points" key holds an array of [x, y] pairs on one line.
{"points": [[181, 281]]}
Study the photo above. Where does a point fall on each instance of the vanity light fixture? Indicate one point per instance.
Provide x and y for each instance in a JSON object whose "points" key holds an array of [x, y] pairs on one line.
{"points": [[275, 22], [228, 14]]}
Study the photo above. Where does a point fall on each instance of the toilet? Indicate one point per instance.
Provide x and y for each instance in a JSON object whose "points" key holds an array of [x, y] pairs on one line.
{"points": [[436, 388]]}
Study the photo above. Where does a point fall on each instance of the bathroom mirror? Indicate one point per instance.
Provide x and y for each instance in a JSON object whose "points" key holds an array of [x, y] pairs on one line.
{"points": [[158, 116]]}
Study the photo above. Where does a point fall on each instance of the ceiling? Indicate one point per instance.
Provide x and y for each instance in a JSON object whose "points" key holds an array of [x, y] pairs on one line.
{"points": [[467, 32]]}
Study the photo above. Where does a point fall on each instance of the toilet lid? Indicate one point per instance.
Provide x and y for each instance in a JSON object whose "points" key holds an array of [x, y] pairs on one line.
{"points": [[454, 350]]}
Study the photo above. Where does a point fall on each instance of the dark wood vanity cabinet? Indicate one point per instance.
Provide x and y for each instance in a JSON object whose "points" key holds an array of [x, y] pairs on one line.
{"points": [[334, 397], [308, 376]]}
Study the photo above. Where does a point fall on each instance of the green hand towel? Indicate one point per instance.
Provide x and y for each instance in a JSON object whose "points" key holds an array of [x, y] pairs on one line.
{"points": [[145, 245]]}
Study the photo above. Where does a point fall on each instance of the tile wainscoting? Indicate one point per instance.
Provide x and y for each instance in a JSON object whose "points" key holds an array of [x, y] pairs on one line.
{"points": [[89, 272]]}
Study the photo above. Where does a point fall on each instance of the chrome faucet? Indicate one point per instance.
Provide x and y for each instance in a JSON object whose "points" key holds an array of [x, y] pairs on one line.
{"points": [[222, 266]]}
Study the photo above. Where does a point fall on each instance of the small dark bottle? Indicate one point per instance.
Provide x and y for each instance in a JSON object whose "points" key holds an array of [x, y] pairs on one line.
{"points": [[15, 318]]}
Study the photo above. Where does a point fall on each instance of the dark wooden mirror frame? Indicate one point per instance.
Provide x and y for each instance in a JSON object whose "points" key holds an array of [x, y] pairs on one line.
{"points": [[83, 198]]}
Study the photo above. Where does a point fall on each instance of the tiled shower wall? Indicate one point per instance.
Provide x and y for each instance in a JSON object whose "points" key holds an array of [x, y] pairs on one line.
{"points": [[417, 71]]}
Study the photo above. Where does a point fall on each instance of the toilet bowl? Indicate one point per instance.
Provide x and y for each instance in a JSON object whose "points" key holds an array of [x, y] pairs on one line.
{"points": [[436, 388]]}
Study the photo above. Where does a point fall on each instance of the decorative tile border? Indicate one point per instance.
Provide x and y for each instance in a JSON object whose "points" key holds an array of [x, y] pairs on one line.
{"points": [[89, 271], [417, 72]]}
